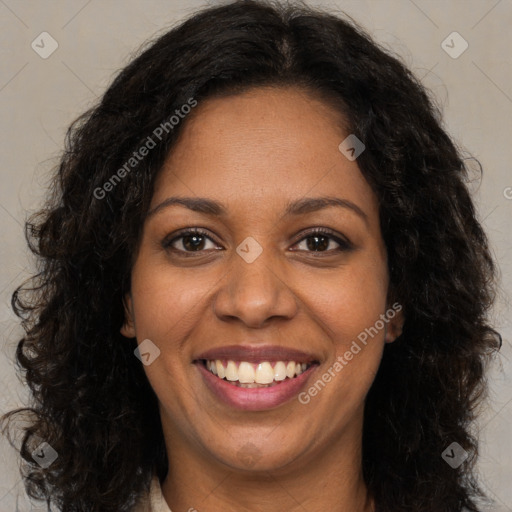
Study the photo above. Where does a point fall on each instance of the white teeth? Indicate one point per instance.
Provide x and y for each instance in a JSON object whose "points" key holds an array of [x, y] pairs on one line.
{"points": [[264, 374], [212, 367], [231, 371], [246, 373], [221, 373], [280, 371], [258, 374]]}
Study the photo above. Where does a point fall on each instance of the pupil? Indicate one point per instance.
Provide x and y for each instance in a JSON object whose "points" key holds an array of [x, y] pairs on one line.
{"points": [[316, 244], [196, 244]]}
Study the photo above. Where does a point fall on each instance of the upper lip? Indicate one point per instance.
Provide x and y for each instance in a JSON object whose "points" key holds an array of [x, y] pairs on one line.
{"points": [[257, 354]]}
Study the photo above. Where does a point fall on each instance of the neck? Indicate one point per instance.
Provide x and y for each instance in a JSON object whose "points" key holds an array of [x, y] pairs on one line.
{"points": [[326, 478]]}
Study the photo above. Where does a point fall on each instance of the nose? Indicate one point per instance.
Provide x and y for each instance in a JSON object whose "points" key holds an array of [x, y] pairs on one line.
{"points": [[254, 293]]}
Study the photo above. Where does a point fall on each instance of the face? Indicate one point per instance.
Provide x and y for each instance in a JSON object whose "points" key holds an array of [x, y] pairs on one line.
{"points": [[274, 276]]}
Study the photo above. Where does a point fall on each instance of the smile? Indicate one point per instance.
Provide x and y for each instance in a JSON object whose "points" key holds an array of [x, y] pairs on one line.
{"points": [[255, 375]]}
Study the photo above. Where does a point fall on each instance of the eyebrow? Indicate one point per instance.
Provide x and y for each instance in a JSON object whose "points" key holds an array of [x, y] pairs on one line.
{"points": [[298, 207]]}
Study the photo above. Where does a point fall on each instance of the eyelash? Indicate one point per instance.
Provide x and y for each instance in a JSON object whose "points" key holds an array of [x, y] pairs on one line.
{"points": [[345, 245]]}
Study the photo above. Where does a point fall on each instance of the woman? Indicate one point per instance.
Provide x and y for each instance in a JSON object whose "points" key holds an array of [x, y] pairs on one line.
{"points": [[263, 286]]}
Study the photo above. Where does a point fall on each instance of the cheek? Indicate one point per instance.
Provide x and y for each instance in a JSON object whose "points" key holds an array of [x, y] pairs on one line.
{"points": [[353, 302], [165, 300], [351, 313]]}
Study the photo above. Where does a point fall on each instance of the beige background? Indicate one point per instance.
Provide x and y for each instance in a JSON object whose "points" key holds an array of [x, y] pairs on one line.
{"points": [[40, 97]]}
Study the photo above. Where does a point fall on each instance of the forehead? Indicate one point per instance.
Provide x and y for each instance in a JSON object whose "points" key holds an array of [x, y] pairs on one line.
{"points": [[260, 147]]}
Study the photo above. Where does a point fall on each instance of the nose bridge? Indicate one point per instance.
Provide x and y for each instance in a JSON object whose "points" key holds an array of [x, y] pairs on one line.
{"points": [[253, 290]]}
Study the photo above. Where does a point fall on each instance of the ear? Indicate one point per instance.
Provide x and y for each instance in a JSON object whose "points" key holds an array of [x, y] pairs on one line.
{"points": [[395, 323], [128, 328]]}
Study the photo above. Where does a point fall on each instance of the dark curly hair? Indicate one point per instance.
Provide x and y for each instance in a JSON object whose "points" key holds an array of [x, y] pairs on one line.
{"points": [[91, 399]]}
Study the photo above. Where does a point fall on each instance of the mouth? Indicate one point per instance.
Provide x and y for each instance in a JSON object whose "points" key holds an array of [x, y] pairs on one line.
{"points": [[245, 374], [255, 378]]}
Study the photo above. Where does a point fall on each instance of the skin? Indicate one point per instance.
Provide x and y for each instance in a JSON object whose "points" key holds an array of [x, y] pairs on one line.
{"points": [[254, 152]]}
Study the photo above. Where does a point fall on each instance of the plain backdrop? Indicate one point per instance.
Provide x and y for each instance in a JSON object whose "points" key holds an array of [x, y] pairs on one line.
{"points": [[39, 97]]}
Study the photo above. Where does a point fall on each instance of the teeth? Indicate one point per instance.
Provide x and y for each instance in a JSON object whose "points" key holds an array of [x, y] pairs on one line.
{"points": [[231, 371], [212, 367], [264, 374], [280, 371], [221, 373], [246, 373], [250, 375]]}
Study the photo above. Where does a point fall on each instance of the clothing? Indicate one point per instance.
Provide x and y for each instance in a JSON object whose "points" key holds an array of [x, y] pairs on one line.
{"points": [[155, 501]]}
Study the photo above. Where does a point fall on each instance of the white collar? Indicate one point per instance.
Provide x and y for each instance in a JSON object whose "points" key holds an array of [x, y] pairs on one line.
{"points": [[157, 502]]}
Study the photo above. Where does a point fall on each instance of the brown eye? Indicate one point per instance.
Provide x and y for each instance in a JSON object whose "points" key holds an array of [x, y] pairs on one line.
{"points": [[193, 240], [319, 240]]}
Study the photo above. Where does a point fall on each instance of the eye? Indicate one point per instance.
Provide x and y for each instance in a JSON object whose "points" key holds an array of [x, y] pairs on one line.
{"points": [[320, 239], [188, 241], [317, 240]]}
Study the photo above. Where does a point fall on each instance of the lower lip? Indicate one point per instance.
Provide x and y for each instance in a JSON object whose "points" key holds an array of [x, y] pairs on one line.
{"points": [[255, 399]]}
